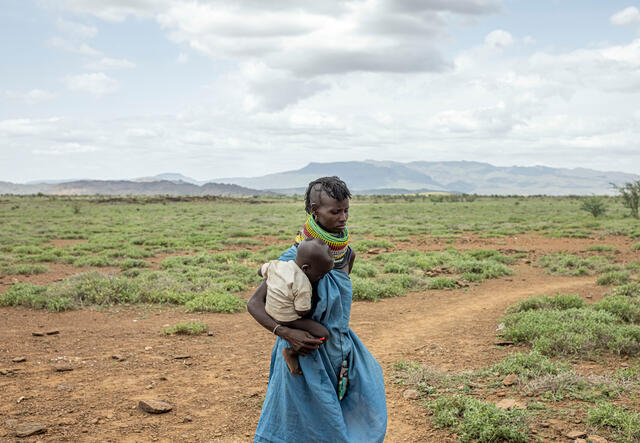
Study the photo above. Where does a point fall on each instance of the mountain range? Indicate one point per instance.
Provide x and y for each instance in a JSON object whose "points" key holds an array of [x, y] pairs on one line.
{"points": [[362, 177]]}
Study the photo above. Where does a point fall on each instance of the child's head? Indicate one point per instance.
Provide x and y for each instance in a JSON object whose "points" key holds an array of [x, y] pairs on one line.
{"points": [[314, 258]]}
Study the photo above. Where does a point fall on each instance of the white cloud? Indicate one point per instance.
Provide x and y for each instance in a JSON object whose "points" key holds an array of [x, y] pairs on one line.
{"points": [[110, 63], [73, 46], [499, 39], [97, 83], [31, 97], [627, 17], [65, 149], [27, 127], [76, 30]]}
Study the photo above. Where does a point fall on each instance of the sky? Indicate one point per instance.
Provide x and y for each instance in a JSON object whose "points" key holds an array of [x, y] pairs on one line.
{"points": [[113, 89]]}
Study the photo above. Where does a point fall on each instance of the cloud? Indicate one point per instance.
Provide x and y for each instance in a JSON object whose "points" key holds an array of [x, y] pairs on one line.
{"points": [[65, 149], [97, 83], [110, 63], [31, 97], [27, 127], [73, 46], [627, 17], [76, 30], [499, 39], [182, 58]]}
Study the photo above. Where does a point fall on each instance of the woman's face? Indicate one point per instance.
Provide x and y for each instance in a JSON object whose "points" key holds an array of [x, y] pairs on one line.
{"points": [[330, 213]]}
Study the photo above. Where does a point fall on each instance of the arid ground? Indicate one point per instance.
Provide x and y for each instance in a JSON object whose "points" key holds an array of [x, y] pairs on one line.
{"points": [[216, 382]]}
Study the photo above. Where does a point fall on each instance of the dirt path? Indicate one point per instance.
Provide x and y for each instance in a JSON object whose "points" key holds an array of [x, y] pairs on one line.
{"points": [[217, 391]]}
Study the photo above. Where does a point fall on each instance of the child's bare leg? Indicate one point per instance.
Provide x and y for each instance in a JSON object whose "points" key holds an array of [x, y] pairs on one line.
{"points": [[312, 327], [291, 358]]}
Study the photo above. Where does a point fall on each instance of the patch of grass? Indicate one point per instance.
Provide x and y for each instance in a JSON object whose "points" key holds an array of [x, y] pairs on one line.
{"points": [[625, 308], [569, 384], [600, 248], [371, 290], [613, 278], [35, 297], [475, 420], [575, 331], [215, 302], [528, 366], [623, 424], [364, 269], [133, 263], [559, 302], [631, 289], [365, 245], [563, 263], [441, 283], [187, 328], [22, 269], [635, 247]]}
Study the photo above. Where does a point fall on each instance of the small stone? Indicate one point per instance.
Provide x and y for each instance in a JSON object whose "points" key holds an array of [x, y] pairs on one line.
{"points": [[29, 429], [503, 343], [62, 387], [148, 348], [507, 403], [149, 387], [37, 334], [53, 332], [154, 406], [411, 394], [500, 394], [510, 379], [6, 372], [544, 424], [63, 367], [187, 419], [19, 359], [210, 334], [596, 439], [575, 434], [95, 421], [118, 357], [181, 357], [21, 399], [163, 378]]}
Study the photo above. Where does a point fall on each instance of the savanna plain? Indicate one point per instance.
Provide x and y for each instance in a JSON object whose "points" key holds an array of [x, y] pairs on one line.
{"points": [[494, 318]]}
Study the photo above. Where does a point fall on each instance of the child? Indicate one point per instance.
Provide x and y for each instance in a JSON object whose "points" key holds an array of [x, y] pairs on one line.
{"points": [[289, 291]]}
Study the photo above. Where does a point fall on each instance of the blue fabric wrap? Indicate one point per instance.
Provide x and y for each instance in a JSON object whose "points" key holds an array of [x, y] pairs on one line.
{"points": [[306, 407]]}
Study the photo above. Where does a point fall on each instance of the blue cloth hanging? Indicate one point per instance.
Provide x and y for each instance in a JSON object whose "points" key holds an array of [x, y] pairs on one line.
{"points": [[306, 407]]}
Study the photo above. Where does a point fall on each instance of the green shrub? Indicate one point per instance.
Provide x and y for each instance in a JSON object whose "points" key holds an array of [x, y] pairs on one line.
{"points": [[613, 278], [631, 289], [474, 420], [528, 366], [594, 205], [365, 289], [25, 294], [635, 247], [23, 269], [365, 245], [133, 263], [600, 248], [625, 308], [559, 302], [569, 264], [215, 302], [364, 269], [95, 288], [575, 331], [441, 283], [623, 424], [187, 328]]}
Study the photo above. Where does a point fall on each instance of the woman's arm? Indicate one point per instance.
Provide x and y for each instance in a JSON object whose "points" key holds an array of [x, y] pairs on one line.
{"points": [[301, 341], [352, 259]]}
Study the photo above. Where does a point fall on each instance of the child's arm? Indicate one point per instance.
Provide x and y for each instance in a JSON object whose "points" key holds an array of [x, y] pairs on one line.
{"points": [[311, 326]]}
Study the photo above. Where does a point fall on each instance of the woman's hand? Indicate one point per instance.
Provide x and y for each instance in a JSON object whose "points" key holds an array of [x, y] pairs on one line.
{"points": [[301, 341]]}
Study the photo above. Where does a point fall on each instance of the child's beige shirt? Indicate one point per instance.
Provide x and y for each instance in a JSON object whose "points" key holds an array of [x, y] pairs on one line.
{"points": [[288, 290]]}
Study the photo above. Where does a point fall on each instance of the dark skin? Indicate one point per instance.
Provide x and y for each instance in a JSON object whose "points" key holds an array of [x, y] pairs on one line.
{"points": [[331, 215]]}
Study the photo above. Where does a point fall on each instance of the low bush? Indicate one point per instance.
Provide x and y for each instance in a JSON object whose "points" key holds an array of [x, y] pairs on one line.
{"points": [[560, 301], [528, 366], [365, 289], [568, 264], [215, 302], [600, 248], [623, 424], [187, 328], [475, 420], [441, 283], [613, 278]]}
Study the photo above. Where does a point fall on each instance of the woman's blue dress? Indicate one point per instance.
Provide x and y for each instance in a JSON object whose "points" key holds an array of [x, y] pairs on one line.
{"points": [[306, 407]]}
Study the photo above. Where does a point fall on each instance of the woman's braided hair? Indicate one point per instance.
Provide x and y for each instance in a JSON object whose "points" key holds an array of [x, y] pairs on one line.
{"points": [[333, 186]]}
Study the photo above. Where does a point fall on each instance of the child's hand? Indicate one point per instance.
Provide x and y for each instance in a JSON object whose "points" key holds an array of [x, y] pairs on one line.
{"points": [[301, 341]]}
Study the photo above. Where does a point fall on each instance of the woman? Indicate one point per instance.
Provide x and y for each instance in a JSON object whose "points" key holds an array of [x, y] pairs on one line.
{"points": [[307, 407]]}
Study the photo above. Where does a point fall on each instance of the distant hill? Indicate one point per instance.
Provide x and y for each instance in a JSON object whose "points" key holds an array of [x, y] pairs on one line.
{"points": [[455, 176], [125, 187]]}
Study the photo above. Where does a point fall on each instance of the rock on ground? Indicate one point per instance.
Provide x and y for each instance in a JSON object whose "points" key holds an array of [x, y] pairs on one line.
{"points": [[154, 406], [28, 429]]}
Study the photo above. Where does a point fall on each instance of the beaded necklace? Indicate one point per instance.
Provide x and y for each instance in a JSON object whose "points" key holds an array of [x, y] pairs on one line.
{"points": [[338, 244]]}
